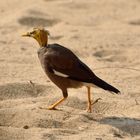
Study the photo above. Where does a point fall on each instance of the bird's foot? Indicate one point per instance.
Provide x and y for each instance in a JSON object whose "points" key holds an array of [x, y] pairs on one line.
{"points": [[96, 101], [51, 108], [48, 108], [89, 108]]}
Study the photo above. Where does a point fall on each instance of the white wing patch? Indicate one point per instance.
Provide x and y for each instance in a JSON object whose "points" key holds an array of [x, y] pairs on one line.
{"points": [[59, 73]]}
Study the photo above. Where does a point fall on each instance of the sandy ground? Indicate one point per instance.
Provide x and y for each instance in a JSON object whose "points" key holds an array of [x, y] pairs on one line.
{"points": [[103, 33]]}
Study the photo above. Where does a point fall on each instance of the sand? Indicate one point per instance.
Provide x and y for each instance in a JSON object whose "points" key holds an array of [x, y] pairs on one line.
{"points": [[102, 34]]}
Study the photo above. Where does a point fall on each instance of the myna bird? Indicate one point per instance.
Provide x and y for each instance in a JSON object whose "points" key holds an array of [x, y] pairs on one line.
{"points": [[65, 69]]}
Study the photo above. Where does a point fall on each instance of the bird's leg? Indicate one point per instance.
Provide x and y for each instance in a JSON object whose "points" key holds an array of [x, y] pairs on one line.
{"points": [[90, 103], [89, 100], [52, 107]]}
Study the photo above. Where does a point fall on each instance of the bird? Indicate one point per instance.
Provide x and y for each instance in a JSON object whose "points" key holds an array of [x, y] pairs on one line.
{"points": [[65, 69]]}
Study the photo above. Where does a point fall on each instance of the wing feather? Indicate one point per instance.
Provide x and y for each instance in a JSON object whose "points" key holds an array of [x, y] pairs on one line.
{"points": [[63, 60]]}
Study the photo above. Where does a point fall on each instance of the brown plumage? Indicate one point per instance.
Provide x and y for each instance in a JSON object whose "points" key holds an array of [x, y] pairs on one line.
{"points": [[65, 69]]}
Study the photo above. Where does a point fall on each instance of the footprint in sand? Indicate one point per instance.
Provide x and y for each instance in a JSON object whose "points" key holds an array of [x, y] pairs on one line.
{"points": [[135, 22], [21, 90], [109, 55]]}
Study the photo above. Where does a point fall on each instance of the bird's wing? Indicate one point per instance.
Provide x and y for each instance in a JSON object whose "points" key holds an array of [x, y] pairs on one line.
{"points": [[61, 61]]}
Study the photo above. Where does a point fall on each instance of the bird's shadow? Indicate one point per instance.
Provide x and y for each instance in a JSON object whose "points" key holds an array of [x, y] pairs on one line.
{"points": [[128, 125]]}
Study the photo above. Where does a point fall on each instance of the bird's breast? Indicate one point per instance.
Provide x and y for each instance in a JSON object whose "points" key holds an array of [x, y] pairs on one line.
{"points": [[41, 52]]}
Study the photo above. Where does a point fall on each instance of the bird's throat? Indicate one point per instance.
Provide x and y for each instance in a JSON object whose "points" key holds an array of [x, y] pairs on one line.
{"points": [[42, 41]]}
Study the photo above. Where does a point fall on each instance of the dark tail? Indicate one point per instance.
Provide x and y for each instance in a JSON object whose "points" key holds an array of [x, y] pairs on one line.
{"points": [[102, 84]]}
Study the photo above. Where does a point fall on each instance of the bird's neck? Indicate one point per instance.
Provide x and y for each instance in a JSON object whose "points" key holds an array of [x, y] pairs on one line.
{"points": [[43, 44], [43, 41]]}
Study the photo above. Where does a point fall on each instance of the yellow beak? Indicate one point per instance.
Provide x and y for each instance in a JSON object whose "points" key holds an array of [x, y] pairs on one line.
{"points": [[26, 34]]}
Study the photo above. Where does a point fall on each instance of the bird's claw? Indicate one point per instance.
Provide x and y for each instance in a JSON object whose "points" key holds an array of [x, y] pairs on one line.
{"points": [[89, 109], [48, 108], [96, 101], [51, 108]]}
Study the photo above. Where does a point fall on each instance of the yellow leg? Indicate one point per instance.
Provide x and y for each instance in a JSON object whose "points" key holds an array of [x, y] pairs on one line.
{"points": [[52, 107], [89, 100], [89, 109]]}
